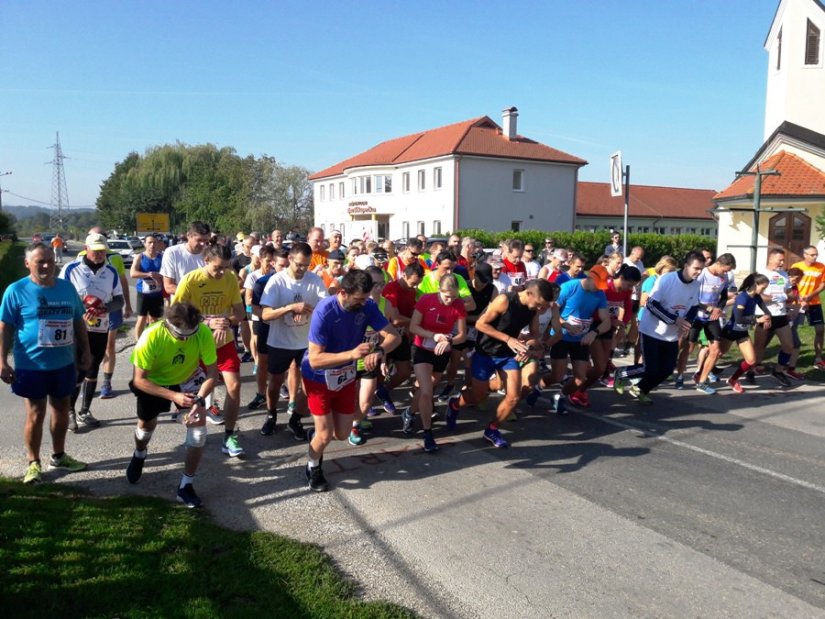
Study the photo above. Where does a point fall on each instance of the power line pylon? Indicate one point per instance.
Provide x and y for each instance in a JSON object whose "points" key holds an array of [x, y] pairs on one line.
{"points": [[60, 194]]}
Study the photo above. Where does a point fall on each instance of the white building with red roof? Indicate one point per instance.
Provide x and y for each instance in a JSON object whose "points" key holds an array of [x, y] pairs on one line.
{"points": [[794, 147], [472, 174]]}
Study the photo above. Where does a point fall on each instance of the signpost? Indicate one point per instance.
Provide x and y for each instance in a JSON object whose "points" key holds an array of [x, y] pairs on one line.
{"points": [[150, 223], [616, 189]]}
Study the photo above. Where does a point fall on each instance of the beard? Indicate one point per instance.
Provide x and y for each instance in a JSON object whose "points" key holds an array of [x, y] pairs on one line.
{"points": [[351, 306]]}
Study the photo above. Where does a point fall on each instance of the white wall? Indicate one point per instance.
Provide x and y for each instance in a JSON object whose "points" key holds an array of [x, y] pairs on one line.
{"points": [[795, 92], [487, 199]]}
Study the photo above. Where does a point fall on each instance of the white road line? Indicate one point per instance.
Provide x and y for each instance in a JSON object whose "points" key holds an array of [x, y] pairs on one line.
{"points": [[707, 452]]}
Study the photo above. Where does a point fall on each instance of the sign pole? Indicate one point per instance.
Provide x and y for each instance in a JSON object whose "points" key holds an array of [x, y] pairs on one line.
{"points": [[626, 207]]}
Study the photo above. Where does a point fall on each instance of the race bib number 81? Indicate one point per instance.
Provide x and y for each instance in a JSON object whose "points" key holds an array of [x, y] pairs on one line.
{"points": [[55, 333]]}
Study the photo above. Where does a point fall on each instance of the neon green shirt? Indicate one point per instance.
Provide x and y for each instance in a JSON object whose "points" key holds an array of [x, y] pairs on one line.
{"points": [[429, 285], [168, 360]]}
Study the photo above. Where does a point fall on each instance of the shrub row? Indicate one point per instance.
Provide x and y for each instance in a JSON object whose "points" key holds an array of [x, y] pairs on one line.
{"points": [[11, 263], [590, 245]]}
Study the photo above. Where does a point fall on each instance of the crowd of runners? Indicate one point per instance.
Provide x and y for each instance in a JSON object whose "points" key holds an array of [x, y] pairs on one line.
{"points": [[337, 333]]}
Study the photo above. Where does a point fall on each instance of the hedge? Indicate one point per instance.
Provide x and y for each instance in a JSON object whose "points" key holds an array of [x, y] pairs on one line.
{"points": [[12, 266], [590, 245]]}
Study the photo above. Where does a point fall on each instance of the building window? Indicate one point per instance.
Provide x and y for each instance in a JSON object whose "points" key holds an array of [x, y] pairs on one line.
{"points": [[355, 186], [405, 182], [437, 178], [365, 184], [341, 190], [387, 183], [518, 180], [422, 181], [322, 193], [383, 184], [332, 191], [779, 50], [812, 45], [419, 226], [405, 230], [437, 226], [515, 226]]}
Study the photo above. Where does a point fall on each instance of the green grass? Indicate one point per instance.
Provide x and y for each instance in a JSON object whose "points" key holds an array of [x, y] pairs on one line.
{"points": [[67, 554], [806, 358]]}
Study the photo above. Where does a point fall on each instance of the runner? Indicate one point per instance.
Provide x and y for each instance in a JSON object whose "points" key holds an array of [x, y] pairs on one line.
{"points": [[810, 287], [335, 343], [410, 254], [669, 313], [315, 239], [552, 269], [530, 263], [146, 270], [42, 320], [166, 361], [436, 317], [266, 258], [58, 246], [743, 318], [213, 290], [183, 258], [287, 305], [575, 270], [333, 271], [513, 266], [98, 284], [499, 348]]}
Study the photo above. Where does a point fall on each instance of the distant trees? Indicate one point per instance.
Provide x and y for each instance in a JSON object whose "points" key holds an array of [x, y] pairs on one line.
{"points": [[206, 183]]}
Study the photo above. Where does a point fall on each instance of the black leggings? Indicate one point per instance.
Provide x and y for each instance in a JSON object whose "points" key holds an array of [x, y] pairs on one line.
{"points": [[659, 362]]}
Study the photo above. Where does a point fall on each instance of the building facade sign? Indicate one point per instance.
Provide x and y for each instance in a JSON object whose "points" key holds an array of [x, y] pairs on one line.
{"points": [[360, 208]]}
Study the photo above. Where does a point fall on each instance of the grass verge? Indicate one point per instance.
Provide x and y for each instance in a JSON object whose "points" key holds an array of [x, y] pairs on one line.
{"points": [[67, 554]]}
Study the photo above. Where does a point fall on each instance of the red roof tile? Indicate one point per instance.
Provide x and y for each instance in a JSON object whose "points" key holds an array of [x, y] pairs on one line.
{"points": [[797, 178], [477, 136], [645, 201]]}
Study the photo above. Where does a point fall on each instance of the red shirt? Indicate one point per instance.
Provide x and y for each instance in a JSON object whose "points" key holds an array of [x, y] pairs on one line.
{"points": [[617, 300], [401, 298], [437, 317], [517, 272]]}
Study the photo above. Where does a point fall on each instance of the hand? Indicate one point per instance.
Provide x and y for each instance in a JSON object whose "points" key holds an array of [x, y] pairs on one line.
{"points": [[184, 400], [516, 346], [589, 338], [763, 319], [195, 417], [716, 313], [442, 347], [219, 337], [572, 329], [85, 361], [302, 308], [157, 277], [360, 351], [683, 326], [7, 374], [219, 323], [127, 312], [372, 361]]}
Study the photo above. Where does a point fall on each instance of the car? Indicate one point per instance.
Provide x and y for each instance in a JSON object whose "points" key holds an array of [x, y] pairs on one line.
{"points": [[125, 249]]}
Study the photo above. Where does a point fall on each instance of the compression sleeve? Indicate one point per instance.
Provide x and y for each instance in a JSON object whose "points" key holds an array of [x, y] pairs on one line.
{"points": [[658, 310]]}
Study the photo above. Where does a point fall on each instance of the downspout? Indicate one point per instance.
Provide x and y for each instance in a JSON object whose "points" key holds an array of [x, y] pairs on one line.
{"points": [[456, 193]]}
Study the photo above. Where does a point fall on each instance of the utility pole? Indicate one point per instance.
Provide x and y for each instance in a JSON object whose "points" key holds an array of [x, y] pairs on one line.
{"points": [[1, 190], [757, 210], [60, 195]]}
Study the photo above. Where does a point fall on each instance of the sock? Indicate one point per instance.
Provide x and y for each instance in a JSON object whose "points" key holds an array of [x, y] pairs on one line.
{"points": [[186, 479], [313, 463], [58, 456], [492, 426], [141, 454], [208, 401], [33, 461], [783, 358], [107, 378], [229, 433], [272, 414], [88, 390], [743, 367]]}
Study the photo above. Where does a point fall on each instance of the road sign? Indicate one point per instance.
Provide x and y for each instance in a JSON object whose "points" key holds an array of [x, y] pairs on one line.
{"points": [[147, 223], [616, 174]]}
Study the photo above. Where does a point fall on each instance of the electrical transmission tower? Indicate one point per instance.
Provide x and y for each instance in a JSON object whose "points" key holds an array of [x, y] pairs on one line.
{"points": [[60, 195]]}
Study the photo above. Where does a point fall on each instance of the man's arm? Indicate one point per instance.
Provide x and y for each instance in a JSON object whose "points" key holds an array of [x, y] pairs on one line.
{"points": [[7, 332]]}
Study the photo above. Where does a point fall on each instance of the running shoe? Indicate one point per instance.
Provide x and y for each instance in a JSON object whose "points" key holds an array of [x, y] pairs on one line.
{"points": [[366, 425], [494, 436], [820, 365], [187, 496], [679, 381], [174, 416], [270, 425], [705, 388], [696, 376], [297, 428], [384, 395], [445, 393], [355, 437], [783, 380], [246, 357], [794, 374], [33, 473], [66, 463], [284, 392], [640, 395], [85, 418], [760, 370], [429, 442], [407, 421], [257, 402], [560, 404], [135, 469], [232, 447], [713, 378], [607, 381], [580, 399], [619, 385], [316, 480], [736, 385], [213, 415], [373, 412], [72, 422], [452, 412], [750, 377], [533, 396], [106, 392]]}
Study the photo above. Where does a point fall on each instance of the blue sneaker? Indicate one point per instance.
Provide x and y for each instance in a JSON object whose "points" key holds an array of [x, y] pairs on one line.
{"points": [[384, 395], [679, 382], [408, 421], [452, 412], [106, 392], [247, 357], [494, 436], [429, 442], [533, 396], [713, 378], [705, 388], [231, 446]]}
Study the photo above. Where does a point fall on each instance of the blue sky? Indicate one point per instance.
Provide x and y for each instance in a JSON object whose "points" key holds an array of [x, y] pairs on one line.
{"points": [[678, 86]]}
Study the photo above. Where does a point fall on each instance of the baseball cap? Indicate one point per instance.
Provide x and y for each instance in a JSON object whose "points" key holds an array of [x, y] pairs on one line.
{"points": [[363, 261], [97, 242], [336, 254], [256, 250], [599, 276], [560, 254], [240, 236], [484, 273], [495, 262]]}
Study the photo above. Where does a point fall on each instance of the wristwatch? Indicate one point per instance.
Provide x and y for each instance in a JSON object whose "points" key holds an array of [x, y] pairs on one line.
{"points": [[379, 350], [199, 400]]}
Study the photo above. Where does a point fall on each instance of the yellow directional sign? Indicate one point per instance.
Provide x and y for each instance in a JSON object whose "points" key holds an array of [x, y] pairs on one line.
{"points": [[152, 222]]}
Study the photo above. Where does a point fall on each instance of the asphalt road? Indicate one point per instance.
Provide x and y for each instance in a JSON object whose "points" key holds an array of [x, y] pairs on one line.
{"points": [[706, 506]]}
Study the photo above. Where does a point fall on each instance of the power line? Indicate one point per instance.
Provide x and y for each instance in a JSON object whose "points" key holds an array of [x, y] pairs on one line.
{"points": [[17, 195]]}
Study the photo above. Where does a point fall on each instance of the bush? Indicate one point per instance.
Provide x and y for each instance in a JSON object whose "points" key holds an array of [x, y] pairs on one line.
{"points": [[590, 245], [12, 267]]}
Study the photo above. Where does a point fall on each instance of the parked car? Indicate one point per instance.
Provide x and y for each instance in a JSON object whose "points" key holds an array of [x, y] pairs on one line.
{"points": [[125, 249]]}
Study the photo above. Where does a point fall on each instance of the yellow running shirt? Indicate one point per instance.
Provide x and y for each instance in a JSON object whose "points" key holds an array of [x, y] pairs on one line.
{"points": [[168, 360], [213, 297]]}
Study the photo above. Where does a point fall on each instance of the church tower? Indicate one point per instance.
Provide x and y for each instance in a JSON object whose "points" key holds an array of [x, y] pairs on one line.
{"points": [[796, 69]]}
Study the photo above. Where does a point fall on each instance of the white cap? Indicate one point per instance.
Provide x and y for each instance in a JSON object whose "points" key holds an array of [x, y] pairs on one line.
{"points": [[256, 250], [363, 261]]}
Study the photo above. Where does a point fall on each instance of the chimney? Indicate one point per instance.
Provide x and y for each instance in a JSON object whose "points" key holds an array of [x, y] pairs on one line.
{"points": [[509, 119]]}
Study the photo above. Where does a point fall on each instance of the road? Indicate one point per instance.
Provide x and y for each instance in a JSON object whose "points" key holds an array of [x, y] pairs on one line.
{"points": [[706, 506]]}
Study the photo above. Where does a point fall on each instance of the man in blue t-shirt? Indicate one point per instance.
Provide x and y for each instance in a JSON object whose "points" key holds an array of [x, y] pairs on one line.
{"points": [[44, 318], [336, 342]]}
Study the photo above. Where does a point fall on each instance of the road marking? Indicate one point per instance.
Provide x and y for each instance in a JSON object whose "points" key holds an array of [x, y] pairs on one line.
{"points": [[707, 452]]}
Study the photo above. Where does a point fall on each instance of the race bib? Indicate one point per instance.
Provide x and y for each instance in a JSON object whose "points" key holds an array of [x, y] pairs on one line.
{"points": [[53, 333], [472, 334], [582, 323], [517, 278], [150, 285], [98, 324], [194, 382], [613, 309], [339, 378], [372, 338]]}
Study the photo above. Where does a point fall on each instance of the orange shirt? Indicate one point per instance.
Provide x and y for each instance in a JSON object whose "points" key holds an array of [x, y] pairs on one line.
{"points": [[318, 259], [812, 278], [57, 242]]}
